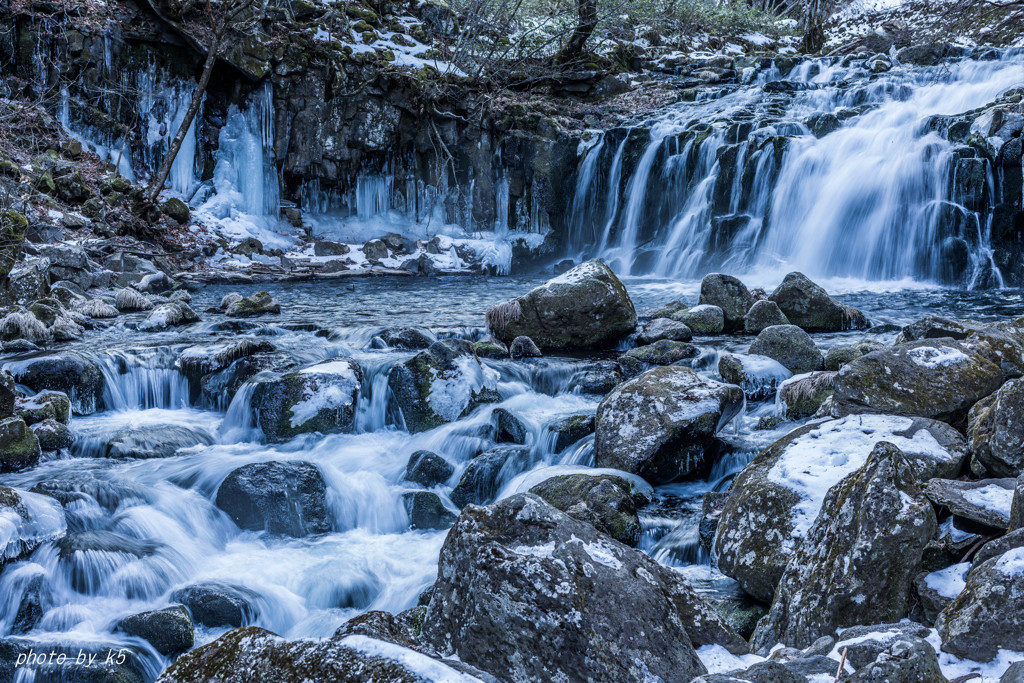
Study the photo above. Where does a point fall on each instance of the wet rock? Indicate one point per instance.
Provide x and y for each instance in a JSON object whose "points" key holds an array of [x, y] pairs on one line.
{"points": [[216, 604], [99, 541], [938, 378], [702, 320], [426, 511], [30, 520], [8, 394], [169, 315], [278, 497], [928, 54], [571, 429], [411, 338], [790, 346], [606, 502], [29, 280], [488, 472], [728, 294], [128, 300], [154, 441], [491, 349], [804, 395], [857, 562], [839, 355], [523, 347], [177, 210], [763, 314], [52, 435], [19, 447], [758, 376], [810, 308], [23, 325], [658, 425], [986, 501], [259, 303], [1017, 505], [988, 615], [712, 504], [663, 328], [933, 327], [440, 385], [596, 378], [502, 602], [45, 405], [155, 283], [375, 251], [428, 469], [507, 427], [995, 425], [777, 497], [321, 398], [197, 361], [664, 352], [907, 660], [585, 307], [666, 310], [168, 630], [1014, 674]]}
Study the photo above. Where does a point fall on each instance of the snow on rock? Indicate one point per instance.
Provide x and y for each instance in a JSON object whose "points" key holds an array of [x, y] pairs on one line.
{"points": [[950, 581], [453, 388], [26, 521]]}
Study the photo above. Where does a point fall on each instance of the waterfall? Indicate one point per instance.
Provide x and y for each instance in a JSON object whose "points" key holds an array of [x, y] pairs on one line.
{"points": [[835, 172], [164, 102]]}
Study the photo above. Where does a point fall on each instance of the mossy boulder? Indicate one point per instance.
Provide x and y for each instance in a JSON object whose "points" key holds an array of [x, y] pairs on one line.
{"points": [[177, 210], [803, 396], [321, 398], [809, 307], [171, 314], [169, 630], [702, 320], [569, 430], [729, 294], [790, 346], [47, 404], [19, 447], [607, 502], [250, 306]]}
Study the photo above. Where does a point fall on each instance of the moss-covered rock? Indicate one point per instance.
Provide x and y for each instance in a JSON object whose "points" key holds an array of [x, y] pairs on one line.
{"points": [[702, 320], [790, 346], [19, 447], [177, 210], [809, 307], [728, 294], [321, 398], [52, 405], [607, 502], [805, 395]]}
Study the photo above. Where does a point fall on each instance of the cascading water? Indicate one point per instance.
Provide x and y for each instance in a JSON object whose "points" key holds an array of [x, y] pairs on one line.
{"points": [[742, 183]]}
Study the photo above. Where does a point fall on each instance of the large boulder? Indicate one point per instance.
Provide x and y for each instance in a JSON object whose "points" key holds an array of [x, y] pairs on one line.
{"points": [[321, 398], [526, 592], [995, 425], [937, 378], [988, 615], [168, 630], [659, 425], [606, 502], [67, 371], [19, 446], [704, 319], [586, 307], [763, 314], [728, 294], [986, 502], [809, 307], [777, 497], [790, 346], [428, 469], [216, 604], [441, 384], [279, 497], [859, 559]]}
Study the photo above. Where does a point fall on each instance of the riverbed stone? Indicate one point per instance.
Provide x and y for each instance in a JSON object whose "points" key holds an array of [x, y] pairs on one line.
{"points": [[907, 660], [128, 300], [598, 378], [200, 360], [585, 307], [154, 441], [665, 310], [321, 398], [809, 307], [763, 314], [702, 320], [428, 469], [170, 314], [859, 558], [217, 604], [45, 405], [168, 630], [19, 447], [571, 429], [933, 327], [790, 346], [52, 435], [995, 426], [259, 303], [426, 511], [607, 502], [839, 355], [279, 497], [663, 328], [66, 371], [663, 352], [986, 501], [502, 601], [487, 472], [523, 347], [730, 295], [658, 425]]}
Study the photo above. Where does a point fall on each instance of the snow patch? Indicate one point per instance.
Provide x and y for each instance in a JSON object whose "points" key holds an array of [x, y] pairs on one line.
{"points": [[950, 581]]}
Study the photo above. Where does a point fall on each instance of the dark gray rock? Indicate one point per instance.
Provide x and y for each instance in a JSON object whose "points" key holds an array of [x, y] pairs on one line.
{"points": [[839, 355], [664, 352], [487, 472], [665, 310], [216, 604], [523, 347], [571, 429], [321, 398], [933, 327], [907, 660], [1014, 674], [411, 338], [154, 441], [702, 320], [597, 378], [809, 307], [46, 405], [998, 546], [19, 446], [507, 427], [606, 502], [1017, 505], [259, 303], [790, 346], [66, 371], [168, 630], [758, 376], [663, 328], [763, 314], [278, 497], [864, 643], [428, 469], [995, 425], [728, 294], [426, 511], [986, 501]]}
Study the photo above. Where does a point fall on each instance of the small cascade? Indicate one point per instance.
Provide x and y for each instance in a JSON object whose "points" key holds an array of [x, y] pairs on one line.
{"points": [[140, 380]]}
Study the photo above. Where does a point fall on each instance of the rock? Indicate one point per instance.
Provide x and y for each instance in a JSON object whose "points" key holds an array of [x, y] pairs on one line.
{"points": [[228, 299], [596, 378], [380, 625], [663, 328], [168, 630], [426, 511], [487, 472], [804, 395], [658, 425], [52, 435], [508, 428], [939, 378], [29, 280], [932, 327], [251, 654], [19, 447], [278, 497], [987, 615], [1014, 674], [1017, 505], [790, 346], [702, 320], [8, 394], [502, 601], [935, 590], [321, 398], [666, 310], [712, 504], [128, 300], [154, 283], [863, 644], [30, 519], [442, 384], [571, 429], [758, 376], [664, 352], [491, 349], [177, 210], [907, 660], [763, 314], [375, 251], [216, 604], [810, 308], [995, 425], [94, 308], [777, 497], [408, 338], [996, 547], [45, 405], [257, 304], [169, 315], [606, 502], [428, 469], [586, 307], [154, 441], [523, 347], [728, 294], [98, 541], [857, 562], [839, 355], [326, 248], [928, 54], [197, 361], [986, 502]]}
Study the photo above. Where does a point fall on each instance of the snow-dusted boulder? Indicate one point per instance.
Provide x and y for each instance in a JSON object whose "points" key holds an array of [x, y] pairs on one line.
{"points": [[758, 376], [320, 398], [67, 371], [584, 307], [703, 319], [526, 592], [777, 497], [27, 520], [659, 424], [663, 328], [859, 558], [987, 501], [763, 314], [197, 361], [441, 384], [169, 315]]}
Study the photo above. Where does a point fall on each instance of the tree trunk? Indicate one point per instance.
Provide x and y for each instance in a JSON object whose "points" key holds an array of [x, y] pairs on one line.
{"points": [[813, 25], [156, 185], [587, 10]]}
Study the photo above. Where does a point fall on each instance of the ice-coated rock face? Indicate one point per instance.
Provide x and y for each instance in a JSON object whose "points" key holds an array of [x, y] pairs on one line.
{"points": [[777, 497], [585, 307], [526, 592], [659, 424], [758, 376], [27, 520]]}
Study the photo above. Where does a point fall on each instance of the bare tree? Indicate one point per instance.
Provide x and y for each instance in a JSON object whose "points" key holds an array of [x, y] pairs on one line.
{"points": [[587, 12], [815, 14], [229, 17]]}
